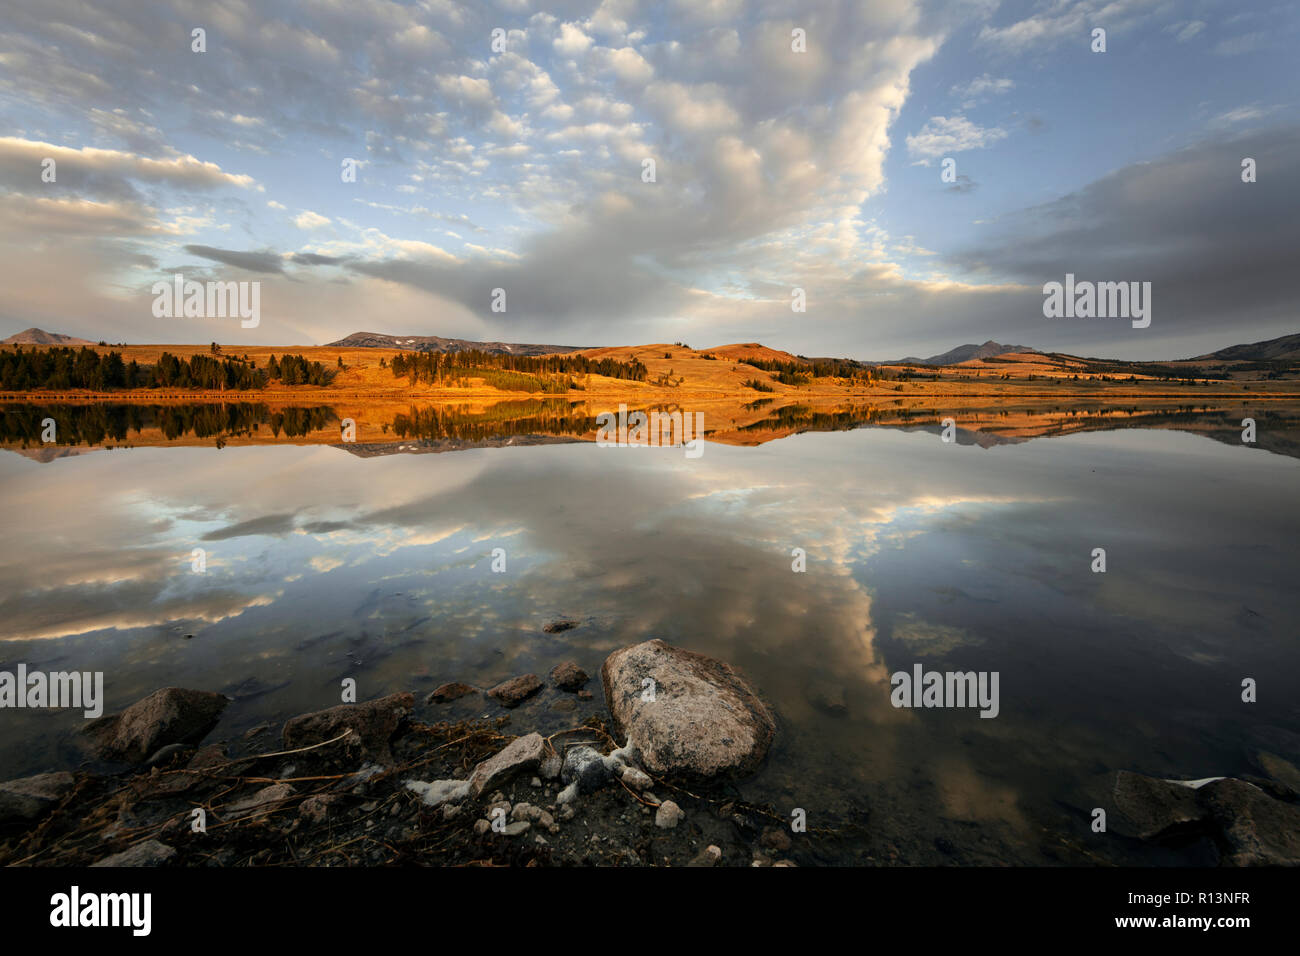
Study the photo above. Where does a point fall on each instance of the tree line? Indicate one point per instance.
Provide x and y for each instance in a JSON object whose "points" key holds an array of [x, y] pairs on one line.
{"points": [[801, 373], [435, 367], [66, 368]]}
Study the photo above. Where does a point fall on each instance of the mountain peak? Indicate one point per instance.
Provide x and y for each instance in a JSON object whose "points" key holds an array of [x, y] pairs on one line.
{"points": [[35, 336]]}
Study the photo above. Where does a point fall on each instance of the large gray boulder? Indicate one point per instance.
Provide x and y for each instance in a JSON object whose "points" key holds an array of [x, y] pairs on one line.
{"points": [[704, 720], [173, 715]]}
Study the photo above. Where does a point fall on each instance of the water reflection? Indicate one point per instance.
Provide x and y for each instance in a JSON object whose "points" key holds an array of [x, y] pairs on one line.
{"points": [[323, 565]]}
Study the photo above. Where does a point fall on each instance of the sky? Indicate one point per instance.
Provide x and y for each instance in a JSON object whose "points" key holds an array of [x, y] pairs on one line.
{"points": [[504, 145]]}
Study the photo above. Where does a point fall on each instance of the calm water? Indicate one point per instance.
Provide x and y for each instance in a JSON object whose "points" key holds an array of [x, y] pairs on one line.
{"points": [[322, 564]]}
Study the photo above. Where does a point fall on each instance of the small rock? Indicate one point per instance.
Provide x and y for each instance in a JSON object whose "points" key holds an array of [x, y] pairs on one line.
{"points": [[450, 692], [775, 838], [551, 766], [371, 725], [567, 795], [555, 627], [513, 692], [569, 676], [148, 853], [637, 779], [264, 799], [709, 856], [481, 827], [830, 699], [516, 828], [668, 815], [315, 809], [586, 767], [522, 754]]}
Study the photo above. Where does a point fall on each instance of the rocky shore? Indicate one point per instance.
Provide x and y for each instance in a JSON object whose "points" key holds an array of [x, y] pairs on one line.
{"points": [[369, 784], [649, 779]]}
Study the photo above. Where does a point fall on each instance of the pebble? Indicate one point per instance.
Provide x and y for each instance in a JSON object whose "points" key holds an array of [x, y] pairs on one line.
{"points": [[668, 815]]}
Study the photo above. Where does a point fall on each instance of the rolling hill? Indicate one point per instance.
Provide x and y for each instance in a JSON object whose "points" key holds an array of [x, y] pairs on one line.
{"points": [[36, 336], [964, 353], [1281, 349]]}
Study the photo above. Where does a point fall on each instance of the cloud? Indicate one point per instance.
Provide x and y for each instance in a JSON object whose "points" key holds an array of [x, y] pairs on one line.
{"points": [[1235, 46], [942, 136], [1068, 22], [310, 220], [106, 170], [981, 88], [266, 261], [1218, 252], [572, 41], [1185, 30]]}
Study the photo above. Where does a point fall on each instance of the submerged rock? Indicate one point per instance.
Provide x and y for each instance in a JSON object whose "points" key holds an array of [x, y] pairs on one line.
{"points": [[372, 725], [704, 720], [450, 692], [569, 676], [555, 627], [513, 692], [173, 715]]}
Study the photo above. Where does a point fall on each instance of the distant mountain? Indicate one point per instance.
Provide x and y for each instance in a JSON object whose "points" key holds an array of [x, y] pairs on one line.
{"points": [[41, 337], [436, 343], [964, 353], [1284, 348]]}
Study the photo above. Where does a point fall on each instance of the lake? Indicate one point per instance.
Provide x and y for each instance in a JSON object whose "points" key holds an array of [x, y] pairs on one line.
{"points": [[375, 562]]}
